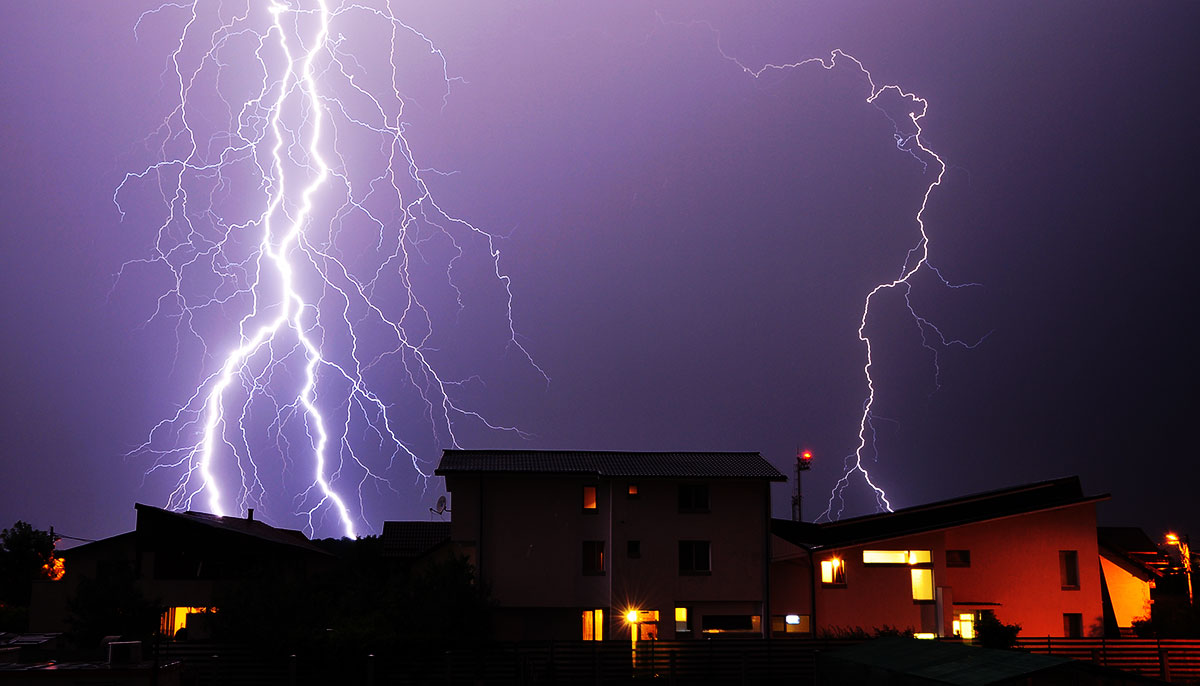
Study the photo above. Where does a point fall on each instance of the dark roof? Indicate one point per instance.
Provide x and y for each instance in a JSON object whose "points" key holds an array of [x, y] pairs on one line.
{"points": [[407, 540], [1044, 495], [1131, 548], [684, 465], [937, 662], [1127, 539], [236, 525]]}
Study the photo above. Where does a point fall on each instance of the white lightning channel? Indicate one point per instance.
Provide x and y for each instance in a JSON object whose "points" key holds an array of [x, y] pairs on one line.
{"points": [[291, 290]]}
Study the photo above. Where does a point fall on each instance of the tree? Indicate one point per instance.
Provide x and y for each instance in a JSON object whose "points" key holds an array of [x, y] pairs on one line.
{"points": [[25, 554], [992, 633]]}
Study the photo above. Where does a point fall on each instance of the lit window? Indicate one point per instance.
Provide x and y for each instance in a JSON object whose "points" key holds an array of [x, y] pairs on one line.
{"points": [[593, 557], [1068, 567], [922, 584], [593, 625], [693, 498], [896, 557], [958, 558], [589, 498], [682, 625], [633, 490], [694, 557], [925, 636], [833, 572], [964, 626], [789, 624], [176, 618]]}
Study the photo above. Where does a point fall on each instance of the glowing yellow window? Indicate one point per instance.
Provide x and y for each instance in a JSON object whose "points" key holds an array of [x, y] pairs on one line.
{"points": [[922, 584], [833, 571], [896, 557], [964, 626], [175, 618], [593, 625], [681, 620], [589, 497]]}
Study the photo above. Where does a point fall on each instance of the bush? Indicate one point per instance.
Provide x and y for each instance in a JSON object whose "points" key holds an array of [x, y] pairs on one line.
{"points": [[992, 633]]}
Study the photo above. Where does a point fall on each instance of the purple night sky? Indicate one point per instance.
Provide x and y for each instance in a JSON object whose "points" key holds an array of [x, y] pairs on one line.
{"points": [[689, 247]]}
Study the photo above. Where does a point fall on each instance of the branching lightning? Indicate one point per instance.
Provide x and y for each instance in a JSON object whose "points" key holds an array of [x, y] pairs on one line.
{"points": [[264, 168], [916, 260]]}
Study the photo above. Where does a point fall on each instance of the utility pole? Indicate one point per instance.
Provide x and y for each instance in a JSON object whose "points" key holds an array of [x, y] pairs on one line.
{"points": [[803, 464], [1185, 554]]}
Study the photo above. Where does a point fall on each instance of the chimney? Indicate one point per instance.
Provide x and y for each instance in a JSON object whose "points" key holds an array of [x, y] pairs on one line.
{"points": [[250, 515]]}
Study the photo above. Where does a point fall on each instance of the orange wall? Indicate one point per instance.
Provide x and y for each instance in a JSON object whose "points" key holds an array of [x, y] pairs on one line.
{"points": [[1130, 594], [1014, 572]]}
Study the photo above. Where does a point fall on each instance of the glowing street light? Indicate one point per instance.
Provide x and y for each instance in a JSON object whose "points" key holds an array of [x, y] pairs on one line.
{"points": [[1185, 553]]}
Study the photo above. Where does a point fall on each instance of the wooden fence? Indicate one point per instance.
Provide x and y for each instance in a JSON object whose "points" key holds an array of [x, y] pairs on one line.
{"points": [[1174, 660], [681, 663]]}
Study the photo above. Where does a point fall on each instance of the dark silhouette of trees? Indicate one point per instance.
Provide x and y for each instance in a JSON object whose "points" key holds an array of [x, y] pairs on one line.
{"points": [[26, 555]]}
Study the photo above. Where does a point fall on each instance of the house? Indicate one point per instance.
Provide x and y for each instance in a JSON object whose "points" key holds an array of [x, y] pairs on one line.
{"points": [[1024, 554], [609, 545], [1131, 566], [182, 561]]}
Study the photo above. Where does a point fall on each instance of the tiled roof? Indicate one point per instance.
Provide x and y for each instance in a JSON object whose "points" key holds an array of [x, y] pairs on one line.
{"points": [[603, 463], [406, 540], [246, 527], [978, 507]]}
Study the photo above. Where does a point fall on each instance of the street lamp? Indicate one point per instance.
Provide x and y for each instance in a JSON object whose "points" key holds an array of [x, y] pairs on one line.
{"points": [[1185, 553]]}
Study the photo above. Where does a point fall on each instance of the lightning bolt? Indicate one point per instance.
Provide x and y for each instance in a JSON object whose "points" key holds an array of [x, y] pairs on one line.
{"points": [[263, 246], [916, 260]]}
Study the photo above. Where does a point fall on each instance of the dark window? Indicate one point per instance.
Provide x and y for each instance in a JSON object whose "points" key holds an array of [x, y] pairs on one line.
{"points": [[589, 499], [693, 498], [1072, 625], [1068, 567], [593, 557], [694, 557], [958, 558], [720, 623], [633, 548]]}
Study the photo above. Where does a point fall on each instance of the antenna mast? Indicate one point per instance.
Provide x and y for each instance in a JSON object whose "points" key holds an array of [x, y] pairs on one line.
{"points": [[803, 464]]}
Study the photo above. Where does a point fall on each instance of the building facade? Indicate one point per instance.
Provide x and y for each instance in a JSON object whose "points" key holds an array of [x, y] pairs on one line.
{"points": [[1027, 555], [614, 545]]}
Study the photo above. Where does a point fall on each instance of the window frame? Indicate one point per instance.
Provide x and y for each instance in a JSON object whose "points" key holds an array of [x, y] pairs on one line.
{"points": [[694, 547], [1068, 569], [588, 552], [837, 572], [690, 503], [594, 508]]}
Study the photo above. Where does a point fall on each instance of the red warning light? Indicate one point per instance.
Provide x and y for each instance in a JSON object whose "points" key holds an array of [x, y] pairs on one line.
{"points": [[806, 455], [803, 459]]}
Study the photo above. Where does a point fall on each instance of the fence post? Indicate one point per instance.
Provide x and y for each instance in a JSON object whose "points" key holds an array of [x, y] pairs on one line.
{"points": [[370, 669], [1164, 665], [292, 670]]}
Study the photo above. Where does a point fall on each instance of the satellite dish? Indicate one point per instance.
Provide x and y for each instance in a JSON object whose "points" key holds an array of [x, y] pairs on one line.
{"points": [[440, 507]]}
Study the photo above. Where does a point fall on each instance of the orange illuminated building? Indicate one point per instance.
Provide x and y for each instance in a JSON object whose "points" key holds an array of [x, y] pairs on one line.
{"points": [[1027, 555]]}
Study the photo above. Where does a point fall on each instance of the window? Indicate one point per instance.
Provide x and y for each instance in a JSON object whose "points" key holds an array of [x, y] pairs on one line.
{"points": [[682, 623], [593, 625], [633, 491], [693, 498], [633, 549], [833, 572], [589, 499], [896, 557], [720, 624], [1068, 567], [789, 624], [694, 557], [922, 584], [964, 626], [958, 558], [593, 557], [1072, 625]]}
